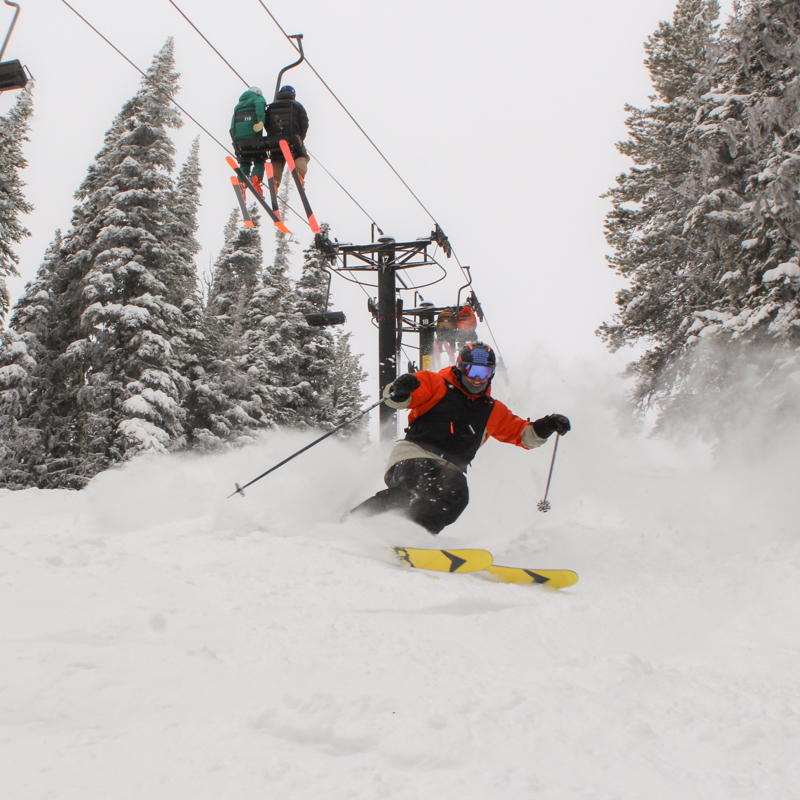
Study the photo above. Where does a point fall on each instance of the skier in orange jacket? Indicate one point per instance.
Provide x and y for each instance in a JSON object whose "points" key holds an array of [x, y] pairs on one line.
{"points": [[452, 413]]}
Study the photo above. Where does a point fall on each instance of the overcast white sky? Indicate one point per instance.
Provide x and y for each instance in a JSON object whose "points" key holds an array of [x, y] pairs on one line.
{"points": [[501, 116]]}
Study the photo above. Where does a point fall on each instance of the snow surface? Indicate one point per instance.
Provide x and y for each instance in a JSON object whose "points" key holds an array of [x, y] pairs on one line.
{"points": [[162, 641]]}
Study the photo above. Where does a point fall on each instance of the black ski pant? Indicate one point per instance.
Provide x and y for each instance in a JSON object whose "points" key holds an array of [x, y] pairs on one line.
{"points": [[251, 154], [423, 490]]}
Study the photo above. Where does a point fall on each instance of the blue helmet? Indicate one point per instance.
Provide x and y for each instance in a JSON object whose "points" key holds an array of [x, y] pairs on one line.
{"points": [[289, 89]]}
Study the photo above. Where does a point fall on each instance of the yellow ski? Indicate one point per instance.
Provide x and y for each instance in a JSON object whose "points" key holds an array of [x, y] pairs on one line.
{"points": [[557, 578], [445, 560]]}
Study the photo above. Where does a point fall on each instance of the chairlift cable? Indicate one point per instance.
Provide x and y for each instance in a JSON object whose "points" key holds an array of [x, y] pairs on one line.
{"points": [[355, 121], [218, 142], [317, 161], [199, 32], [178, 105], [366, 135], [380, 153], [331, 176], [146, 77]]}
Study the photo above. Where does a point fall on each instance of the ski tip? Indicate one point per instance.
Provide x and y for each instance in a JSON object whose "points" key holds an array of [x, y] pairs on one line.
{"points": [[232, 161], [234, 180], [312, 221], [248, 223], [281, 227]]}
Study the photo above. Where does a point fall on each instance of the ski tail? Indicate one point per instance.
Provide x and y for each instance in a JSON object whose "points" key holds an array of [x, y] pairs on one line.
{"points": [[555, 578], [273, 191], [245, 181], [237, 188], [445, 560], [301, 190]]}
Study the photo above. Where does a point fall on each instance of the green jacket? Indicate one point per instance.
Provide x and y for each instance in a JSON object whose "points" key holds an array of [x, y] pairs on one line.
{"points": [[250, 109]]}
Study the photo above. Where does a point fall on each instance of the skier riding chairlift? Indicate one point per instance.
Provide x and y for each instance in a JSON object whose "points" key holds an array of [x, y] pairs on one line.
{"points": [[249, 143], [287, 119]]}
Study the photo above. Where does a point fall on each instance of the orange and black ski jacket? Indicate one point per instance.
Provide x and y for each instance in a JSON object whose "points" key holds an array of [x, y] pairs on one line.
{"points": [[451, 423]]}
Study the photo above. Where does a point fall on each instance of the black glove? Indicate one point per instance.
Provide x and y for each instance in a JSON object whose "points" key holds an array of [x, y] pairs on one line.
{"points": [[403, 386], [552, 423]]}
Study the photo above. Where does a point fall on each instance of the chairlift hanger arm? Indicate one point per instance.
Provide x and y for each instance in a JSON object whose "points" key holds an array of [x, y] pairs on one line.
{"points": [[11, 27], [466, 285], [299, 38]]}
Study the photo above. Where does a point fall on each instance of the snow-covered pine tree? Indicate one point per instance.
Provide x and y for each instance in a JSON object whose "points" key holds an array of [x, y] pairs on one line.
{"points": [[182, 280], [751, 120], [33, 312], [28, 371], [316, 344], [180, 277], [118, 331], [273, 351], [226, 404], [715, 273], [672, 268], [346, 397], [13, 130], [21, 443], [236, 276], [741, 344], [133, 328]]}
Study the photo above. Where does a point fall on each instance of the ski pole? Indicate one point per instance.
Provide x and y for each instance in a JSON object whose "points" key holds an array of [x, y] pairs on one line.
{"points": [[543, 505], [240, 489]]}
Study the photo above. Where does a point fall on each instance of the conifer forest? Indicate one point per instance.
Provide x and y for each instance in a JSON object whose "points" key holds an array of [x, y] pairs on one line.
{"points": [[116, 347]]}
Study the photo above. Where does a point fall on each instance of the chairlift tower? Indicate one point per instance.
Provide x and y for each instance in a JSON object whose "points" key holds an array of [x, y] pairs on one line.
{"points": [[387, 258]]}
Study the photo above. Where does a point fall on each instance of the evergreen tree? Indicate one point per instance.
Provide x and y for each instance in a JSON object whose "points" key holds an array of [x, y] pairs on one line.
{"points": [[751, 122], [33, 312], [226, 402], [28, 362], [670, 270], [709, 239], [21, 444], [346, 397], [235, 278], [181, 277], [273, 351], [117, 333], [128, 386], [316, 344], [13, 130], [741, 345], [183, 284]]}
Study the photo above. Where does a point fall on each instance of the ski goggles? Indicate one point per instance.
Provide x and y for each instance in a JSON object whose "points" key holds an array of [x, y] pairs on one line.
{"points": [[478, 372]]}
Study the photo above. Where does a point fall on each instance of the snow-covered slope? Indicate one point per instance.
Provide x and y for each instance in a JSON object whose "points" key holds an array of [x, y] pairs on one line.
{"points": [[162, 641]]}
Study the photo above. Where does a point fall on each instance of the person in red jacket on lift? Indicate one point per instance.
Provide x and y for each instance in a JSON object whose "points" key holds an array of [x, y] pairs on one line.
{"points": [[451, 414]]}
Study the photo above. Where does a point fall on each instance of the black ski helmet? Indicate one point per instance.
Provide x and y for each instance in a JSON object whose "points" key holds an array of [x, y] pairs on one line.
{"points": [[477, 357]]}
